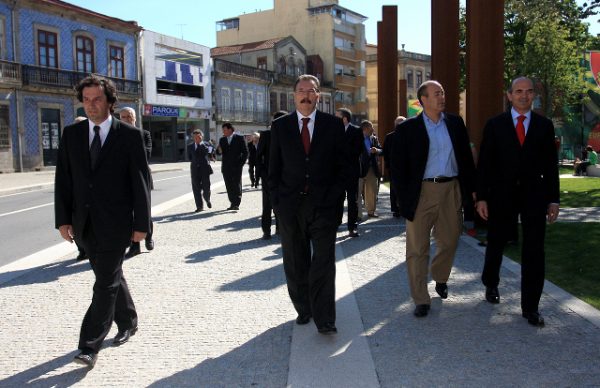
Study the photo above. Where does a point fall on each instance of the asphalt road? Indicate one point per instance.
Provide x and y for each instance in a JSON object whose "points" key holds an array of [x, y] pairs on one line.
{"points": [[27, 219]]}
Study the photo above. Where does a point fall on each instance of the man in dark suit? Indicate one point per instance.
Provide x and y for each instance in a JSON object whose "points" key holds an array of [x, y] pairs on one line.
{"points": [[433, 170], [307, 176], [387, 156], [517, 174], [354, 143], [102, 201], [127, 115], [252, 146], [235, 152], [199, 154], [368, 183], [262, 170]]}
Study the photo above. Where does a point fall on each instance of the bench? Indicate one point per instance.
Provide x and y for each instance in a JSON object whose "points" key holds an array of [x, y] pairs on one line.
{"points": [[593, 170]]}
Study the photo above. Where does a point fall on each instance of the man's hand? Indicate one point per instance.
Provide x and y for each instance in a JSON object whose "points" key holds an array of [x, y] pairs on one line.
{"points": [[552, 212], [138, 236], [66, 232], [482, 209]]}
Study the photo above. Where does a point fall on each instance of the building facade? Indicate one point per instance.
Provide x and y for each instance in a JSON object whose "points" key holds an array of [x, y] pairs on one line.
{"points": [[46, 48], [177, 93], [333, 36]]}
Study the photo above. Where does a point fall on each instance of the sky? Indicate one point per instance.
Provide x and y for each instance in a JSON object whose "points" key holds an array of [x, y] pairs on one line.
{"points": [[195, 20]]}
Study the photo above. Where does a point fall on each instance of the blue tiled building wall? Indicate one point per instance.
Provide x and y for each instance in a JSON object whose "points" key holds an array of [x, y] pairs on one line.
{"points": [[244, 86], [8, 40], [31, 119], [67, 30]]}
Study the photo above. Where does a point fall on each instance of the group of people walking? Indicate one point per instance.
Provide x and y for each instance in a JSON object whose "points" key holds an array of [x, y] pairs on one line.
{"points": [[309, 162]]}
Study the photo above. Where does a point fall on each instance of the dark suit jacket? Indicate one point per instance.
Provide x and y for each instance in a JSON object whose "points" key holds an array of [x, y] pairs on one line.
{"points": [[355, 144], [251, 154], [147, 142], [411, 149], [262, 153], [114, 195], [324, 170], [505, 170], [369, 160], [234, 154], [388, 145], [199, 159]]}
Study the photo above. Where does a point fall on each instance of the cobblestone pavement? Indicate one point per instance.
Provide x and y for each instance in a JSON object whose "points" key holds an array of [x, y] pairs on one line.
{"points": [[214, 312]]}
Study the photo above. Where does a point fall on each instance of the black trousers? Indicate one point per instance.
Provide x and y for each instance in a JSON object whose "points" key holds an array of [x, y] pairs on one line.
{"points": [[233, 184], [267, 209], [501, 227], [200, 187], [254, 177], [111, 300], [310, 273], [351, 194], [393, 198]]}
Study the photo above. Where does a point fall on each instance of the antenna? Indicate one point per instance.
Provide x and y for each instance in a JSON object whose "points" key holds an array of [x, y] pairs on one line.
{"points": [[181, 28]]}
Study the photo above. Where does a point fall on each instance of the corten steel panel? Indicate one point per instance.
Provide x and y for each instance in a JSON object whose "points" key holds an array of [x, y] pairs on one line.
{"points": [[387, 70], [444, 49], [402, 100], [485, 64]]}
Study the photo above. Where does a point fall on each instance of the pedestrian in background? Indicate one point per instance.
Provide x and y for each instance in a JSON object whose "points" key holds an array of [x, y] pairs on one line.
{"points": [[517, 175], [102, 200], [370, 172], [307, 176], [252, 146], [433, 170], [200, 154], [234, 153]]}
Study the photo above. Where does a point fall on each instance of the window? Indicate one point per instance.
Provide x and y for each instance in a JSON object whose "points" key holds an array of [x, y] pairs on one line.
{"points": [[260, 102], [273, 102], [4, 129], [419, 78], [409, 78], [225, 100], [300, 67], [116, 62], [237, 104], [281, 65], [47, 49], [291, 104], [177, 89], [291, 67], [282, 100], [428, 75], [2, 38], [249, 101], [84, 52], [261, 63]]}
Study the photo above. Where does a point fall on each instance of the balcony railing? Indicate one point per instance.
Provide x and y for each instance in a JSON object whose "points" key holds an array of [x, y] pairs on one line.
{"points": [[227, 67], [55, 78], [242, 116], [10, 72]]}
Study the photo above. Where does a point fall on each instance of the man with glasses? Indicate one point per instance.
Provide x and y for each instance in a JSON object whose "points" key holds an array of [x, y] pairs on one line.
{"points": [[307, 177]]}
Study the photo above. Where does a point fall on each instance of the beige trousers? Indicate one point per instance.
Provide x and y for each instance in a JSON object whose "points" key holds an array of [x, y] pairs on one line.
{"points": [[367, 186], [439, 209]]}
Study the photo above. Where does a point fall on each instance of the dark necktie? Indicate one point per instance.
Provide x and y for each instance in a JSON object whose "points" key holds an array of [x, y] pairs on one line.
{"points": [[521, 129], [305, 135], [95, 147]]}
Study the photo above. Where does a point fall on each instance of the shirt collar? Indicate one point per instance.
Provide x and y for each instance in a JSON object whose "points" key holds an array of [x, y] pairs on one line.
{"points": [[311, 116], [104, 126], [516, 114], [429, 121]]}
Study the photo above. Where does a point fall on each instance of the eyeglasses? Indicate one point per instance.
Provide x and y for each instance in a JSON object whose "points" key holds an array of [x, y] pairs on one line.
{"points": [[309, 91]]}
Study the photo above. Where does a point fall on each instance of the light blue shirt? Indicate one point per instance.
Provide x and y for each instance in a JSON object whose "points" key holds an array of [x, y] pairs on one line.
{"points": [[515, 116], [441, 160], [368, 144]]}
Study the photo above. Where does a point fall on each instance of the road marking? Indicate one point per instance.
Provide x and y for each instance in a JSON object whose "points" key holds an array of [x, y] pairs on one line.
{"points": [[27, 209]]}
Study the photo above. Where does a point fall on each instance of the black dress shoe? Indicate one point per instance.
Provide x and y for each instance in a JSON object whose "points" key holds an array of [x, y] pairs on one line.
{"points": [[492, 295], [233, 207], [266, 236], [209, 204], [303, 319], [86, 357], [441, 289], [198, 209], [534, 318], [373, 215], [123, 336], [421, 310], [81, 256], [133, 251], [396, 214], [327, 329], [150, 244], [353, 233]]}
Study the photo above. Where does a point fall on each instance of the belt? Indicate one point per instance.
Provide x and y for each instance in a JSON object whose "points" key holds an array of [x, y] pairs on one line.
{"points": [[440, 179]]}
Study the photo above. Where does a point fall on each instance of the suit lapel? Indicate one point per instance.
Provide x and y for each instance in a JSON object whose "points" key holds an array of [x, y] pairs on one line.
{"points": [[317, 131], [509, 123], [84, 144], [294, 131]]}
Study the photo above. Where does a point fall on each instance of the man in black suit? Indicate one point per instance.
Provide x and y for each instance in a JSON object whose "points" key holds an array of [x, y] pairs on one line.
{"points": [[252, 147], [199, 154], [307, 176], [387, 156], [432, 169], [103, 202], [235, 152], [368, 183], [262, 170], [354, 143], [127, 115], [517, 174]]}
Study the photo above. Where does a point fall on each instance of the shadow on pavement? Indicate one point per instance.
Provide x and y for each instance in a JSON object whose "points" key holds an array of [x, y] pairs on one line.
{"points": [[36, 376], [47, 273]]}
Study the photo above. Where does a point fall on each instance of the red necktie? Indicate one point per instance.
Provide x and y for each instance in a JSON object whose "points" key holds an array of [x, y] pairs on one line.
{"points": [[521, 129], [305, 135]]}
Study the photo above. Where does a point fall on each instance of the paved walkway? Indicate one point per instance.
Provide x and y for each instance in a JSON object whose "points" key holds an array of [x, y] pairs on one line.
{"points": [[214, 312]]}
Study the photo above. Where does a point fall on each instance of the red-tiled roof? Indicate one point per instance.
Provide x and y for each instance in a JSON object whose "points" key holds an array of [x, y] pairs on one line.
{"points": [[240, 48]]}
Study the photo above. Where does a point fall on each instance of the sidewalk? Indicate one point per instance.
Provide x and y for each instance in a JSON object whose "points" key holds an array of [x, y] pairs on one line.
{"points": [[214, 312]]}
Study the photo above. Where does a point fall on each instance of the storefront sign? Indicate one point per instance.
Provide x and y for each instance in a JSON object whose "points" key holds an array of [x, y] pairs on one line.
{"points": [[164, 111]]}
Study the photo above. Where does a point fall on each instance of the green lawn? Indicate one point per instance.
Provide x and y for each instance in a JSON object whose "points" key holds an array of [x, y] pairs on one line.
{"points": [[580, 192]]}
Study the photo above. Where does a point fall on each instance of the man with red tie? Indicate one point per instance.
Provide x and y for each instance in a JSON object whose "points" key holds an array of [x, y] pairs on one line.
{"points": [[517, 175], [307, 177]]}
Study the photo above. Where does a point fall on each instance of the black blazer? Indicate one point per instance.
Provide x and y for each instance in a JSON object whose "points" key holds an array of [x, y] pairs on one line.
{"points": [[114, 195], [506, 169], [387, 148], [324, 170], [147, 142], [252, 154], [199, 159], [410, 150], [262, 153], [234, 154], [355, 144], [369, 160]]}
